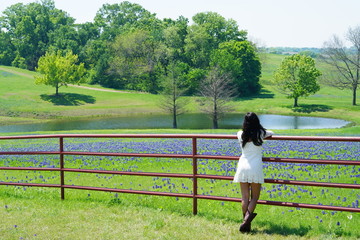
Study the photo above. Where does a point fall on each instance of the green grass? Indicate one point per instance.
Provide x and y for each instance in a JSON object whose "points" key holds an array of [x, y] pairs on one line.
{"points": [[44, 218], [25, 218], [21, 98]]}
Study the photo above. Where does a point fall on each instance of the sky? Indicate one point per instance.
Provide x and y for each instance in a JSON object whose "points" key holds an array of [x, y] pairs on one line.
{"points": [[269, 23]]}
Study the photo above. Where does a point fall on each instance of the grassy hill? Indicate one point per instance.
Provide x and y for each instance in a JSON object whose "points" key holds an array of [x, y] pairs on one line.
{"points": [[22, 101], [22, 98]]}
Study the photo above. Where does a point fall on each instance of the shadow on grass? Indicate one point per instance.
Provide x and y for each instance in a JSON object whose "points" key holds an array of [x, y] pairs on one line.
{"points": [[309, 108], [272, 228], [263, 94], [68, 99]]}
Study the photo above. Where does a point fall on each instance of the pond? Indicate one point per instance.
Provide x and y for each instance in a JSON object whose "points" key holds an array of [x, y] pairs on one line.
{"points": [[186, 121]]}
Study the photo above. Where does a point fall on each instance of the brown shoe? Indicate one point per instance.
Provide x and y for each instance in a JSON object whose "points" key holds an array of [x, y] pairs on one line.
{"points": [[246, 224]]}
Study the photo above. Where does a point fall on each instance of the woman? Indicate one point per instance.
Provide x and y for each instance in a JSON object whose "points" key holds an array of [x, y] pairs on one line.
{"points": [[249, 171]]}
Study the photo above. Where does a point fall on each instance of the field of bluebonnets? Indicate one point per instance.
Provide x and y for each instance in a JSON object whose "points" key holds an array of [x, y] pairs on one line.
{"points": [[338, 223]]}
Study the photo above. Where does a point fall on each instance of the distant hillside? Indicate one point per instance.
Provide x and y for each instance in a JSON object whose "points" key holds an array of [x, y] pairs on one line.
{"points": [[313, 52]]}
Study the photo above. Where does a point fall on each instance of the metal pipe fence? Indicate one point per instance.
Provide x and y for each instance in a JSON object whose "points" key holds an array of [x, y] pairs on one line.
{"points": [[194, 175]]}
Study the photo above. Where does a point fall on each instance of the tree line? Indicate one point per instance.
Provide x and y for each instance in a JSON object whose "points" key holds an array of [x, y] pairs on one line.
{"points": [[128, 47]]}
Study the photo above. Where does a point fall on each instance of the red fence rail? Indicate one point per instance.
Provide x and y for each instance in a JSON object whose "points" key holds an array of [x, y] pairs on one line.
{"points": [[194, 175]]}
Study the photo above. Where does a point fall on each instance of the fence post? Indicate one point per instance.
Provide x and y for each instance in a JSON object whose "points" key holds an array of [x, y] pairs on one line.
{"points": [[62, 180], [194, 161]]}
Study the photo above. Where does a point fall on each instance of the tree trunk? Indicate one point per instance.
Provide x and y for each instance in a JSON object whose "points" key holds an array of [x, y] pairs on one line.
{"points": [[296, 102], [215, 124], [174, 118], [215, 121], [57, 90], [354, 96], [215, 115]]}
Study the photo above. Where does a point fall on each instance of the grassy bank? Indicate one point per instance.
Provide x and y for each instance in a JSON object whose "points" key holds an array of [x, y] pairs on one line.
{"points": [[92, 219], [25, 218]]}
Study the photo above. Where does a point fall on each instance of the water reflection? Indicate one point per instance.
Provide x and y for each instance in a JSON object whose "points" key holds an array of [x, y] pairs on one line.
{"points": [[186, 121]]}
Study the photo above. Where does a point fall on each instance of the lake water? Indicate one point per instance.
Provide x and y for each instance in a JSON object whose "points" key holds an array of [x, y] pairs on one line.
{"points": [[186, 121]]}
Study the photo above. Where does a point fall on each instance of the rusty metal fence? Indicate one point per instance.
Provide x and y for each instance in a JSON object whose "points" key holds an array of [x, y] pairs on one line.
{"points": [[194, 175]]}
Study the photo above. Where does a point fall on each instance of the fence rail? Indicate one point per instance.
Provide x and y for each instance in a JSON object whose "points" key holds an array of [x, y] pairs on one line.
{"points": [[194, 175]]}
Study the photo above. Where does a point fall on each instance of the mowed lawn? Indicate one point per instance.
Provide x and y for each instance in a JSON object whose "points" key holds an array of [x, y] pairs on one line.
{"points": [[22, 98]]}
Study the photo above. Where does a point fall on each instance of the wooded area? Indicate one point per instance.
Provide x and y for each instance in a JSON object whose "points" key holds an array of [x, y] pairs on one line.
{"points": [[128, 47]]}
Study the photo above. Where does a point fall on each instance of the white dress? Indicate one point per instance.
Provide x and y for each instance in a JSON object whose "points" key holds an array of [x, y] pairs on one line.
{"points": [[249, 168]]}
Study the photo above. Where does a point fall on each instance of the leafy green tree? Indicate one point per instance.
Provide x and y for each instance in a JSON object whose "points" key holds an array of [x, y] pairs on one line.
{"points": [[133, 65], [297, 76], [115, 19], [65, 37], [96, 57], [94, 53], [198, 47], [7, 50], [218, 28], [241, 61], [172, 100], [87, 32], [208, 31], [60, 69], [217, 92], [174, 35], [29, 26], [193, 80], [136, 60], [19, 62]]}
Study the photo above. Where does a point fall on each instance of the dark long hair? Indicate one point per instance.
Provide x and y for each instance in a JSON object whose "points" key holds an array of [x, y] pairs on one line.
{"points": [[252, 130]]}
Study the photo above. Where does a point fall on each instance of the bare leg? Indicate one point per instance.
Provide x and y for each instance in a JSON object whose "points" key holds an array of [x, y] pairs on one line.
{"points": [[245, 195], [249, 207], [255, 194]]}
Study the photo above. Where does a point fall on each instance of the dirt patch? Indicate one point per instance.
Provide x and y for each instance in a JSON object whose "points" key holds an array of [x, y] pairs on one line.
{"points": [[97, 89]]}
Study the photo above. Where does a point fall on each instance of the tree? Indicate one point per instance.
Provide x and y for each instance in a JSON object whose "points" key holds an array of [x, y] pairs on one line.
{"points": [[95, 55], [64, 38], [59, 69], [87, 32], [220, 29], [29, 27], [297, 76], [136, 60], [241, 61], [115, 19], [208, 31], [344, 62], [173, 90], [174, 36], [217, 92], [7, 50]]}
